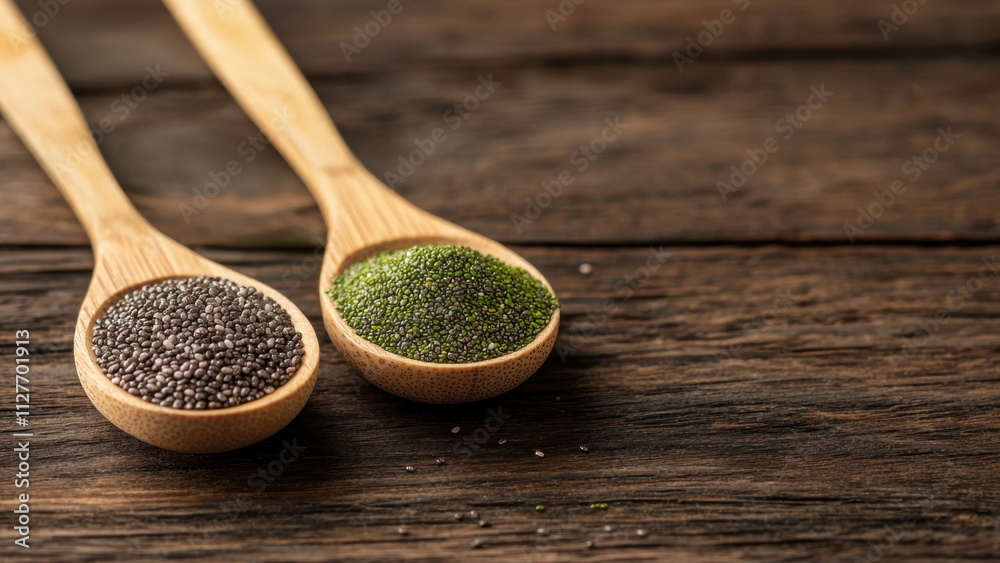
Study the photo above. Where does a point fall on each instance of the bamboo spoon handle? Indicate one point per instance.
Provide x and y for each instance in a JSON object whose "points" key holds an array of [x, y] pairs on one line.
{"points": [[40, 108], [247, 58]]}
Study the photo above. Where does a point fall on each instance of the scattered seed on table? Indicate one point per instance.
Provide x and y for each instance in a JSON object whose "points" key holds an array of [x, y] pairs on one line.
{"points": [[458, 516], [542, 532], [590, 544], [540, 507], [609, 528], [197, 343], [585, 449], [539, 453], [641, 533], [456, 430], [410, 469], [440, 461], [599, 506], [476, 543], [473, 514], [502, 441], [402, 531], [484, 524], [586, 268]]}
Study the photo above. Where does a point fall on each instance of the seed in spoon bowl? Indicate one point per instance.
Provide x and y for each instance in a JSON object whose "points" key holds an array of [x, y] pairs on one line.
{"points": [[443, 304], [197, 343], [363, 216]]}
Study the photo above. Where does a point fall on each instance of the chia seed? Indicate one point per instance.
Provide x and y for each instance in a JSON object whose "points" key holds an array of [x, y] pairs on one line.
{"points": [[443, 304], [197, 343]]}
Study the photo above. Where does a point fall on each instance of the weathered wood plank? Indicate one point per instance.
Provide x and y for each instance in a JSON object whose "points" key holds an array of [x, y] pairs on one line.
{"points": [[103, 42], [805, 444], [684, 133]]}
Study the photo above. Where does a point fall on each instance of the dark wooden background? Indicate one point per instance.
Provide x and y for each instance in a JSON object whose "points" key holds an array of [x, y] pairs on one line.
{"points": [[726, 427]]}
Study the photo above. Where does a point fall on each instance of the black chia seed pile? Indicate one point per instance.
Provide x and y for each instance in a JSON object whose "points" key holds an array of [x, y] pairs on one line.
{"points": [[197, 343], [443, 304]]}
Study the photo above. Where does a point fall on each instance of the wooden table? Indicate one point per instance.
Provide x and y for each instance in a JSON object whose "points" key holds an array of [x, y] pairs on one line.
{"points": [[763, 390]]}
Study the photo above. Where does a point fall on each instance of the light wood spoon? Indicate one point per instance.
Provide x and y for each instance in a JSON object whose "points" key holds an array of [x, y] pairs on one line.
{"points": [[128, 252], [362, 215]]}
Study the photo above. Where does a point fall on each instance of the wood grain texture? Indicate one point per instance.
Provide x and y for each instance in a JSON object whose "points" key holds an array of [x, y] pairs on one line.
{"points": [[805, 445], [685, 132], [85, 36], [128, 254], [728, 429]]}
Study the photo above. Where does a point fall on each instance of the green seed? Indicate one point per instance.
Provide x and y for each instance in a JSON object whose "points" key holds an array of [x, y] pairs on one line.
{"points": [[540, 507], [443, 304]]}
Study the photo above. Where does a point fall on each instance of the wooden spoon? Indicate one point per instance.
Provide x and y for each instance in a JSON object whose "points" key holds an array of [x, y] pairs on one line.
{"points": [[128, 252], [363, 216]]}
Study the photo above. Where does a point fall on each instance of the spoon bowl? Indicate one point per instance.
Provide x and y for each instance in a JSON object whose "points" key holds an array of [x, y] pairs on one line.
{"points": [[414, 379], [363, 216], [399, 225], [128, 253], [181, 430]]}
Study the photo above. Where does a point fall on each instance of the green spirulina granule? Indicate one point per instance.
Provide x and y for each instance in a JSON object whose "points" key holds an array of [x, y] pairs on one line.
{"points": [[443, 304]]}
